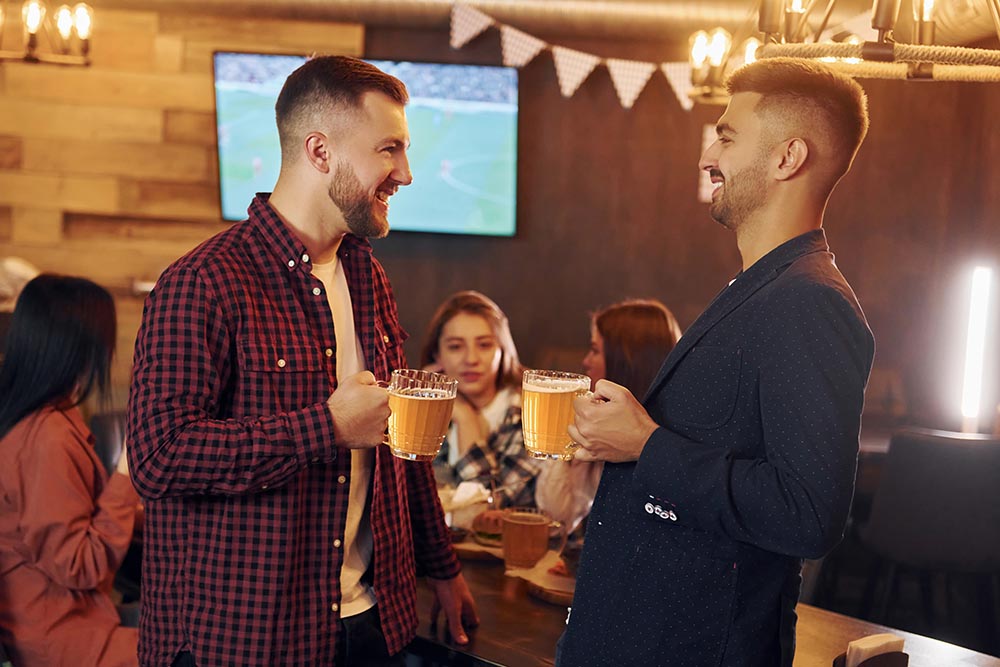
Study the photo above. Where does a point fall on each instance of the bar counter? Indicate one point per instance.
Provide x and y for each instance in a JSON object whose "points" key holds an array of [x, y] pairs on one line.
{"points": [[518, 630]]}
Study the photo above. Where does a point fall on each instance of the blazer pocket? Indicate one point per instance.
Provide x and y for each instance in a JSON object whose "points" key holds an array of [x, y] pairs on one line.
{"points": [[703, 390]]}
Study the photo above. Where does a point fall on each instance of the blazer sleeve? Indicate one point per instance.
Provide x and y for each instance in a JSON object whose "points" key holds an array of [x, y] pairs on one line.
{"points": [[794, 497], [77, 540]]}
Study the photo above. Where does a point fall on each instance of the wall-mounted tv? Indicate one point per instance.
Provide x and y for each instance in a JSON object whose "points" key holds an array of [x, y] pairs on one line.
{"points": [[463, 131]]}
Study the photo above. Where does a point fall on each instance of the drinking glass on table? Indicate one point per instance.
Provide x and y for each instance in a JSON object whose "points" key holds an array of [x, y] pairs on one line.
{"points": [[420, 403]]}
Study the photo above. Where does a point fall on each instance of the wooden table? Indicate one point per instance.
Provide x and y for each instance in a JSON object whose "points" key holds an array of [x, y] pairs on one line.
{"points": [[519, 630]]}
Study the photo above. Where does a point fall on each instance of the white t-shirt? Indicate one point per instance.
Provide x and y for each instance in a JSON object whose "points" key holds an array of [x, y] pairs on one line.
{"points": [[355, 595]]}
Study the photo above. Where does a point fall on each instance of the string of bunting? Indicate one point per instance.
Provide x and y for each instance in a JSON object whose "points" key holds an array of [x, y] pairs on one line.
{"points": [[572, 67]]}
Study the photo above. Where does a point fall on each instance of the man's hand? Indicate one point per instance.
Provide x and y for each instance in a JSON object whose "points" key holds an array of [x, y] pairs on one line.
{"points": [[360, 410], [610, 425], [453, 596]]}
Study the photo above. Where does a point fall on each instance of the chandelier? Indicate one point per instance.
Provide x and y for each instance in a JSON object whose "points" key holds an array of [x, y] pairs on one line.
{"points": [[788, 29], [65, 33]]}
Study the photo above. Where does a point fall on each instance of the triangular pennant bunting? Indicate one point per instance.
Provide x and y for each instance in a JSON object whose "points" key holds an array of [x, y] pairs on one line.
{"points": [[679, 77], [629, 78], [466, 23], [519, 48], [572, 67]]}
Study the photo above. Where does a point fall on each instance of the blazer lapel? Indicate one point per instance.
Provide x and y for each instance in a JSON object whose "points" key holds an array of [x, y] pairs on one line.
{"points": [[746, 284]]}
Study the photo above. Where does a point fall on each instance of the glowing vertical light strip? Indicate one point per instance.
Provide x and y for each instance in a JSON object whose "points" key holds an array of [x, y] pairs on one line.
{"points": [[975, 345]]}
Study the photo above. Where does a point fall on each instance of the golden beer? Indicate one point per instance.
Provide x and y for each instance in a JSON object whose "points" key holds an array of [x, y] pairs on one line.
{"points": [[525, 537], [420, 403], [547, 411]]}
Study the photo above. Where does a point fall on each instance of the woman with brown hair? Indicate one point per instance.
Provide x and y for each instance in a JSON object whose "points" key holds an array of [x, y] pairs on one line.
{"points": [[469, 339], [628, 342]]}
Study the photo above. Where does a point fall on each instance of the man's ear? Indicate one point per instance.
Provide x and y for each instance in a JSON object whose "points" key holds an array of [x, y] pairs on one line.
{"points": [[318, 149], [792, 156]]}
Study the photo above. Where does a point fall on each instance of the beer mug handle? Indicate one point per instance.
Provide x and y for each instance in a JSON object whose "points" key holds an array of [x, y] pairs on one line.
{"points": [[572, 447], [384, 384]]}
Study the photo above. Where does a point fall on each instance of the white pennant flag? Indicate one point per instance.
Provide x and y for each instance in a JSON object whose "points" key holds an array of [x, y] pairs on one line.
{"points": [[629, 78], [679, 77], [572, 67], [466, 23], [519, 48]]}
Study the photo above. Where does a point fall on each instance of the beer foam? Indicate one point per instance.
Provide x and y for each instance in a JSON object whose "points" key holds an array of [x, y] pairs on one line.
{"points": [[554, 385], [422, 392]]}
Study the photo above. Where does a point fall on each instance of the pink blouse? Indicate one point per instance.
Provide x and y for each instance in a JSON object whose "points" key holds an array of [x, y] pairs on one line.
{"points": [[64, 529]]}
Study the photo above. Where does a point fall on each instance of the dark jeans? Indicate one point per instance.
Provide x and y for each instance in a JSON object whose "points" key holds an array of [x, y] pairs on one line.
{"points": [[361, 644]]}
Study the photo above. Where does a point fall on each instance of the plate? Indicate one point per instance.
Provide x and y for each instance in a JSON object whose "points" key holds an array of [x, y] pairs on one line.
{"points": [[561, 598]]}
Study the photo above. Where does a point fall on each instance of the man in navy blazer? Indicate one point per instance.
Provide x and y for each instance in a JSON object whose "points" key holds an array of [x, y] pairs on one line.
{"points": [[740, 460]]}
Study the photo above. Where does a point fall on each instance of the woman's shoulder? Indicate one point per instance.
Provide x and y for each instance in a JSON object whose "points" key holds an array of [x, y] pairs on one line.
{"points": [[47, 429]]}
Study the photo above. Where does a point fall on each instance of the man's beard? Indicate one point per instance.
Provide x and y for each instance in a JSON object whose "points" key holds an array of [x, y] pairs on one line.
{"points": [[356, 205], [742, 194]]}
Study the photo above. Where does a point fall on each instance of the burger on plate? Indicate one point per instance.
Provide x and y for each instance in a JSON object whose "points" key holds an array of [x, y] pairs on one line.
{"points": [[487, 528]]}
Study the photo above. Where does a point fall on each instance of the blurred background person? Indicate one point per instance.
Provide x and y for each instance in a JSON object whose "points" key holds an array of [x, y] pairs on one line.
{"points": [[628, 342], [65, 525], [469, 339]]}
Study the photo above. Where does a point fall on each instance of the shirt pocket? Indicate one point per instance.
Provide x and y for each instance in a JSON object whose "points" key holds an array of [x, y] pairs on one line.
{"points": [[281, 376], [389, 339], [703, 391]]}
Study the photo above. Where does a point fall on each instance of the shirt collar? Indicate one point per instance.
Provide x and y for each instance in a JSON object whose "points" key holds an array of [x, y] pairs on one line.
{"points": [[282, 243], [786, 253]]}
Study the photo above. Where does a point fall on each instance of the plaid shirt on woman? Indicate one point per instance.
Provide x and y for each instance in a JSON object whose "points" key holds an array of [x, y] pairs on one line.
{"points": [[231, 446]]}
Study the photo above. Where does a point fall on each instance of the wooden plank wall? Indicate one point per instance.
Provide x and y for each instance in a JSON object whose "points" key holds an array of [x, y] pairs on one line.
{"points": [[110, 171]]}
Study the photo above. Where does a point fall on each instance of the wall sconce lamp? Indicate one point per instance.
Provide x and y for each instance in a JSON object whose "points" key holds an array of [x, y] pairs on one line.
{"points": [[66, 32]]}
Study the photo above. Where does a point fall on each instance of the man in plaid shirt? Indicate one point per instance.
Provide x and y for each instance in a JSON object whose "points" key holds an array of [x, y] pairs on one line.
{"points": [[278, 532]]}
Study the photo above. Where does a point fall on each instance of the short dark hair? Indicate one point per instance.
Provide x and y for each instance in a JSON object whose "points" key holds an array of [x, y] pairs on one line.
{"points": [[328, 83], [475, 303], [637, 334], [808, 92], [60, 345]]}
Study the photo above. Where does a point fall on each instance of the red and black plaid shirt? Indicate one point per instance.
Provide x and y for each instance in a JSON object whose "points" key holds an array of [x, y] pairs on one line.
{"points": [[231, 446]]}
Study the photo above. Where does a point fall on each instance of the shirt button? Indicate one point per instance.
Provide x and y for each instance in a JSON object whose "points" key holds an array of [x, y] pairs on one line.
{"points": [[328, 351], [281, 363], [317, 291], [316, 459], [263, 486], [291, 263], [385, 339], [305, 258], [341, 479], [335, 606], [336, 543]]}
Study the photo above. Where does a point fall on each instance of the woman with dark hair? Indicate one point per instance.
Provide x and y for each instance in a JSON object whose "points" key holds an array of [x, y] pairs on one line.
{"points": [[628, 342], [469, 339], [64, 524]]}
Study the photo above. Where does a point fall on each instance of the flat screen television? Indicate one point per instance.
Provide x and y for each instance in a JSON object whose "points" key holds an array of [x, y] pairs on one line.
{"points": [[463, 133]]}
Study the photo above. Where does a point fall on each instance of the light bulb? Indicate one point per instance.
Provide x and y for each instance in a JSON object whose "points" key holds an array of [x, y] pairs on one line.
{"points": [[83, 18], [923, 10], [32, 14], [750, 50], [699, 49], [719, 42], [64, 22]]}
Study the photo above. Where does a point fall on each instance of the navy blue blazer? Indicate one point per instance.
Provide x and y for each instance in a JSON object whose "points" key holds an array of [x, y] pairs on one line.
{"points": [[693, 553]]}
